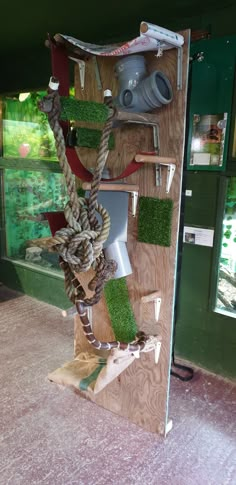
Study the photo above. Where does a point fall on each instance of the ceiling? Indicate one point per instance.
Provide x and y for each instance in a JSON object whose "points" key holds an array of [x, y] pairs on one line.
{"points": [[24, 27]]}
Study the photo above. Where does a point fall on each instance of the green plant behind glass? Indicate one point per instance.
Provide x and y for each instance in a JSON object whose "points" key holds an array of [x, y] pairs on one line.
{"points": [[26, 132], [229, 225]]}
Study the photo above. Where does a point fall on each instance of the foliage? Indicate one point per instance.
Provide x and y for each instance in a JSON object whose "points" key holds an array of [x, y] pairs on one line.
{"points": [[26, 132]]}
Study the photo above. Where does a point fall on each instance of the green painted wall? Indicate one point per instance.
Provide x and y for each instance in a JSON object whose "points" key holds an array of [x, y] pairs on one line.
{"points": [[203, 336], [44, 287]]}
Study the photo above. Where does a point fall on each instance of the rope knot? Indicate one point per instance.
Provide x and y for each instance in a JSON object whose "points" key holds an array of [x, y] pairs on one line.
{"points": [[78, 249]]}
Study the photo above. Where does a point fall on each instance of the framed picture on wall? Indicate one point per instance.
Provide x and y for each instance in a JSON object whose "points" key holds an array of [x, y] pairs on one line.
{"points": [[207, 148]]}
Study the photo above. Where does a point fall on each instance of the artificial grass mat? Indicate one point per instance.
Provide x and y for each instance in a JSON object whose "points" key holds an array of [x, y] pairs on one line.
{"points": [[90, 138], [91, 111], [154, 221], [119, 308]]}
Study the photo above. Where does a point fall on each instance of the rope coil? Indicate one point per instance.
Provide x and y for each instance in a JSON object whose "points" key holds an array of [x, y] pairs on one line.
{"points": [[80, 244]]}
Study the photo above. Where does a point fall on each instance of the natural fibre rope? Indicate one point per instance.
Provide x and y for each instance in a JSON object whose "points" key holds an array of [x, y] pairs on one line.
{"points": [[80, 244]]}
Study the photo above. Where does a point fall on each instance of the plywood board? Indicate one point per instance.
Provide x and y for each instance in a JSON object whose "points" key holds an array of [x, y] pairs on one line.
{"points": [[141, 392]]}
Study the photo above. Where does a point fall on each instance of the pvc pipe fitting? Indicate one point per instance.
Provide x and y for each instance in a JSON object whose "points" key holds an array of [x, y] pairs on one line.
{"points": [[130, 70], [118, 251], [153, 92]]}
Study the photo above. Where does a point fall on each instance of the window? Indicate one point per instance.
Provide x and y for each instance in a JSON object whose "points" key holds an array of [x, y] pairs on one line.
{"points": [[226, 285], [27, 190], [26, 132], [27, 194]]}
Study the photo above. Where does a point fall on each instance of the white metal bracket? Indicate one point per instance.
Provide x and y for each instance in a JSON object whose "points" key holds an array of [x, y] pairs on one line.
{"points": [[153, 297], [159, 161], [134, 196], [131, 189], [169, 426], [170, 176], [179, 68], [157, 352], [157, 307], [81, 65]]}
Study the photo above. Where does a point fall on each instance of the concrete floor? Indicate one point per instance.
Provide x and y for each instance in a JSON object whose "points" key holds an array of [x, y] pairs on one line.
{"points": [[52, 436]]}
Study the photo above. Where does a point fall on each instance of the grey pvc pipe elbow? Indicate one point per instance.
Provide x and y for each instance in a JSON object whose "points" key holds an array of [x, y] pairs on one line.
{"points": [[130, 70], [153, 92]]}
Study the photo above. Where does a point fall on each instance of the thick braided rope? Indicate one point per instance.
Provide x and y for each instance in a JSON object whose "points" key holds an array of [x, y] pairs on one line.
{"points": [[81, 234], [53, 119], [101, 160], [74, 242], [80, 245]]}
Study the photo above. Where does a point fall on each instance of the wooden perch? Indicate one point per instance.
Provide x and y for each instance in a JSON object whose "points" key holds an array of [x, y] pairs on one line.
{"points": [[113, 187], [142, 157], [41, 242]]}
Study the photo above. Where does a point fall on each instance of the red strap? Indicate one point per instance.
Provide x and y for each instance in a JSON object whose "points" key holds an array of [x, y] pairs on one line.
{"points": [[80, 171], [60, 70], [60, 67], [56, 220]]}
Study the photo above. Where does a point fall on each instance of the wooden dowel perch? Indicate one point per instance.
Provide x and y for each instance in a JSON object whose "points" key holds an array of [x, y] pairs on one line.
{"points": [[113, 187], [42, 241], [141, 157]]}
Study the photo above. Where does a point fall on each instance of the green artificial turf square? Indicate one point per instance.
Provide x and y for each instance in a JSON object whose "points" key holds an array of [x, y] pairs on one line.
{"points": [[91, 111], [90, 138], [154, 221], [119, 308]]}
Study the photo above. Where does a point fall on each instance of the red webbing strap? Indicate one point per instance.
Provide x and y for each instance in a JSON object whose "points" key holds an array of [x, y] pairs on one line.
{"points": [[80, 171], [60, 67], [60, 70], [56, 221]]}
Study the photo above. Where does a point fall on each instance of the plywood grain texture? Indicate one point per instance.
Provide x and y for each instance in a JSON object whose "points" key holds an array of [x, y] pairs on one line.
{"points": [[141, 392]]}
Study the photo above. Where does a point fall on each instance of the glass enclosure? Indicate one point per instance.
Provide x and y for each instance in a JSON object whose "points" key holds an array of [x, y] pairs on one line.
{"points": [[226, 287], [26, 132], [27, 194]]}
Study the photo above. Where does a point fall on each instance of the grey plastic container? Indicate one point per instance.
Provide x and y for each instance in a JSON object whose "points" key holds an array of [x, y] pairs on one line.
{"points": [[153, 92]]}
